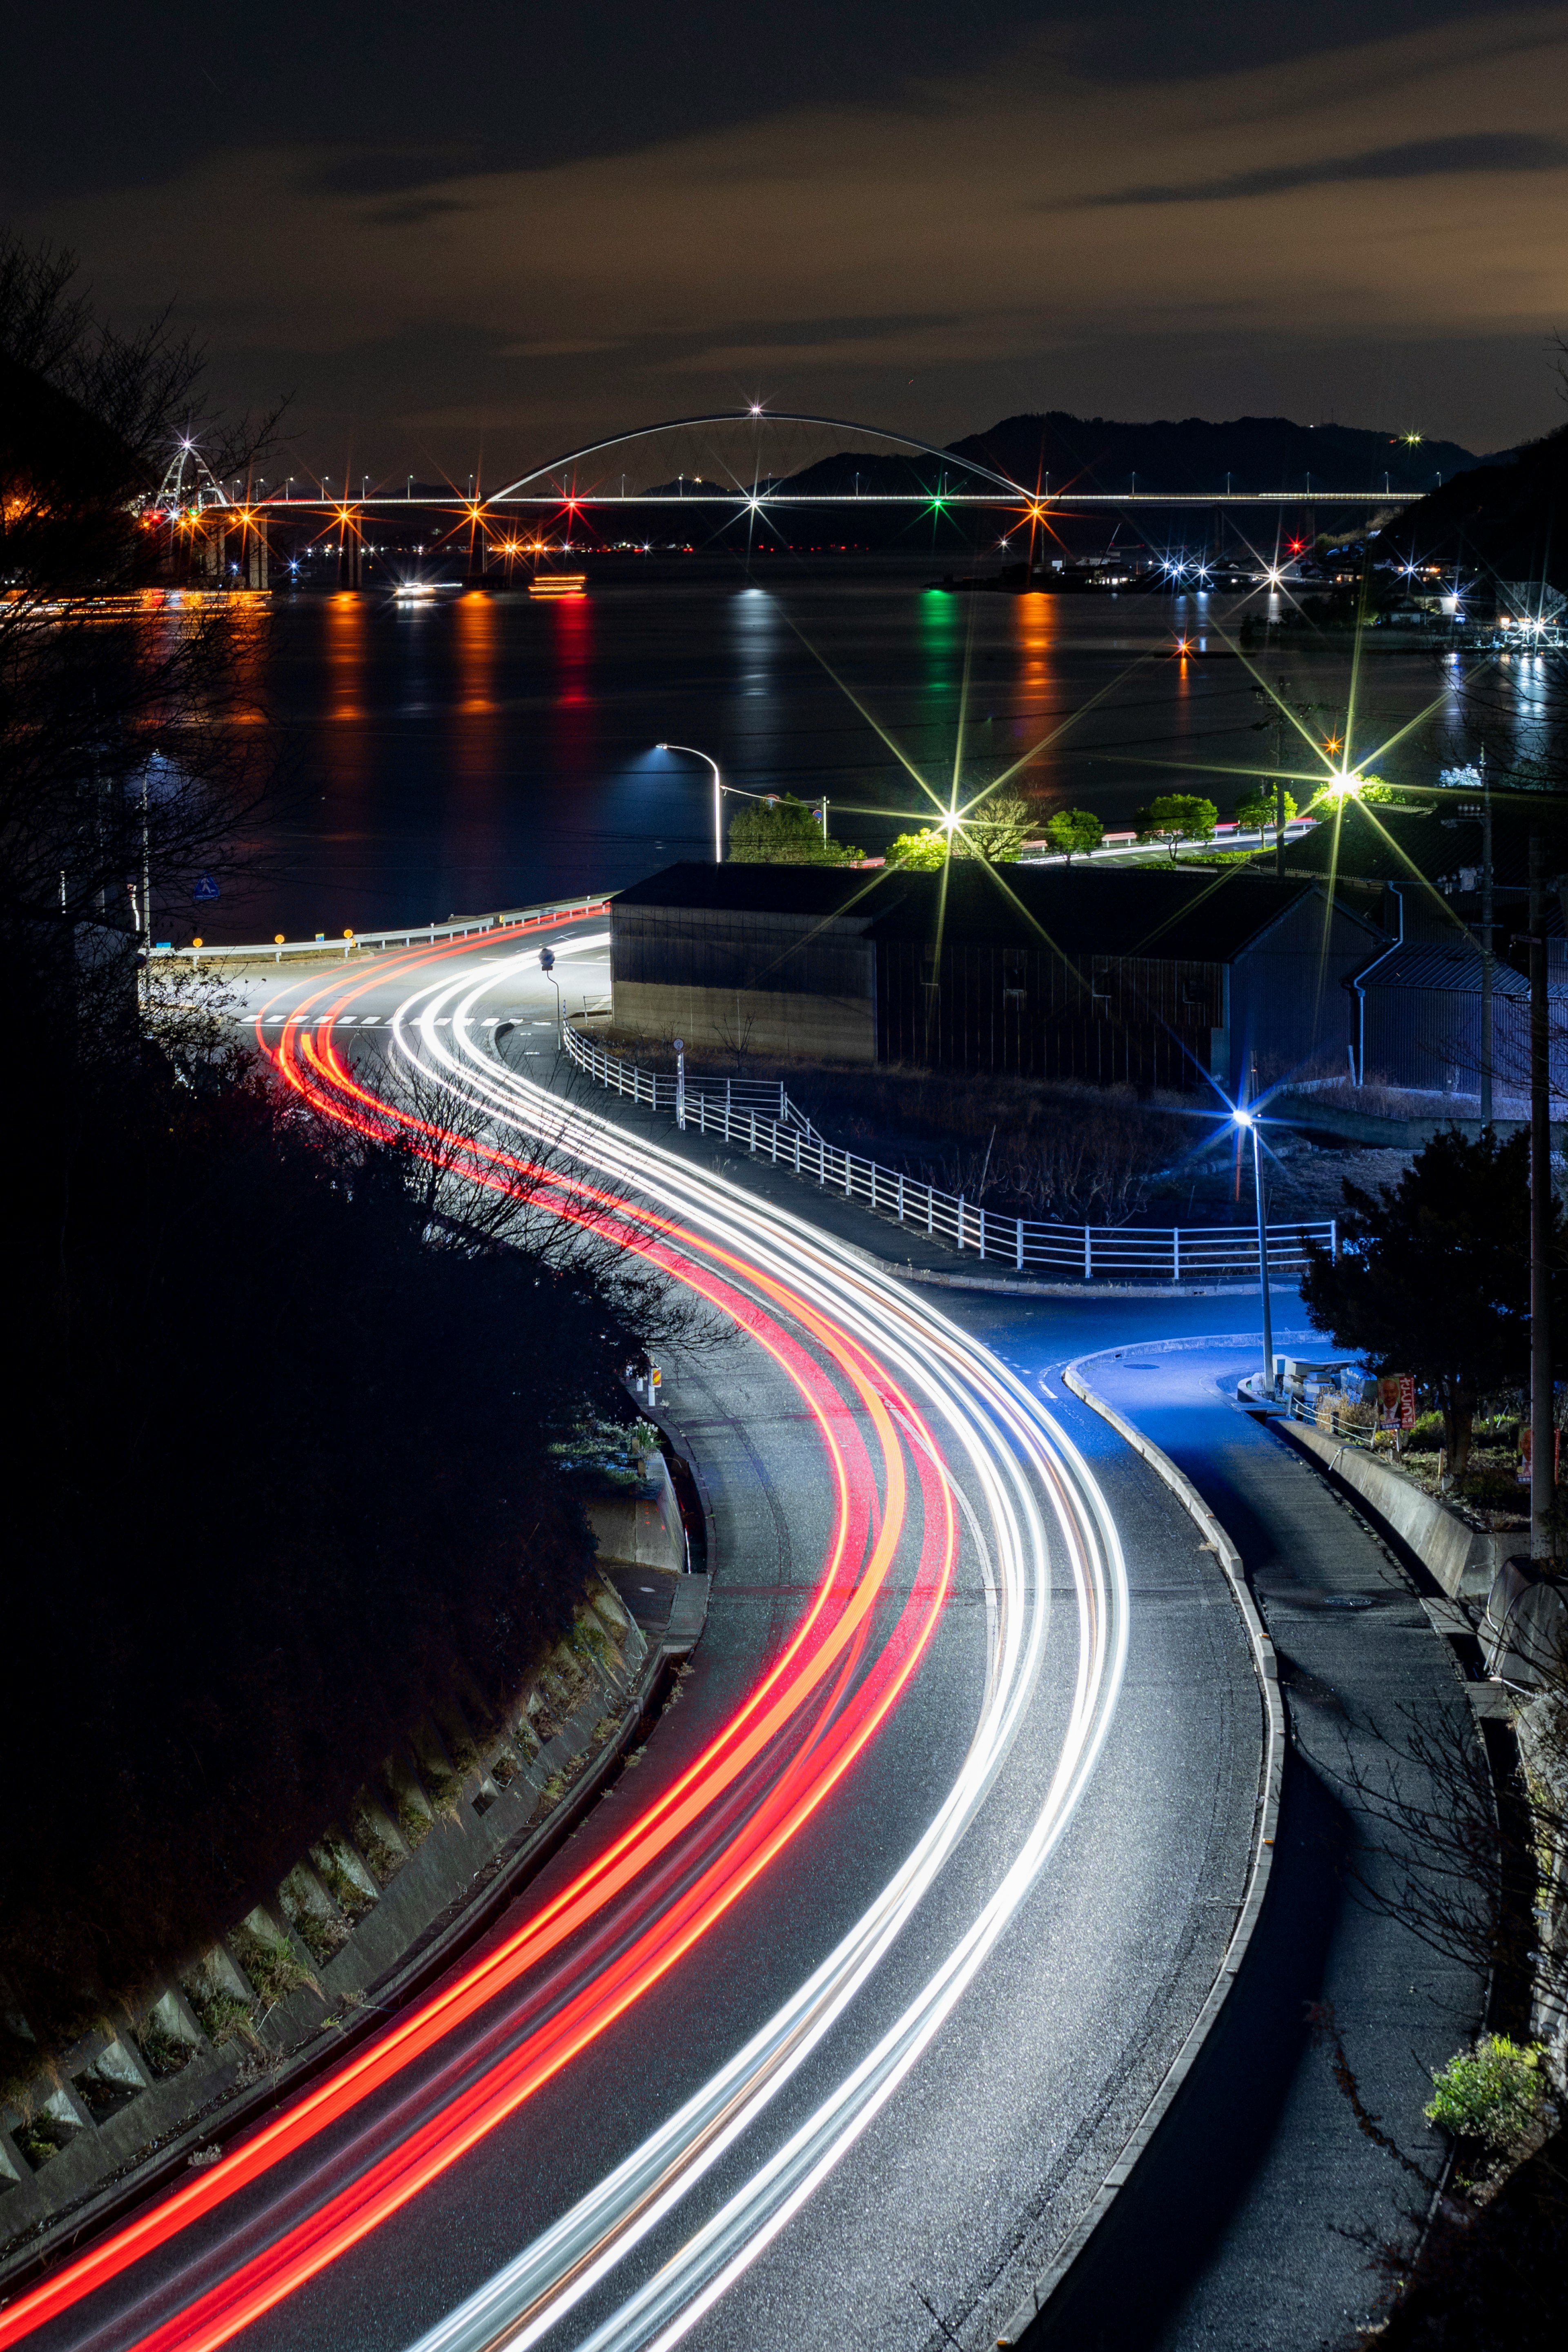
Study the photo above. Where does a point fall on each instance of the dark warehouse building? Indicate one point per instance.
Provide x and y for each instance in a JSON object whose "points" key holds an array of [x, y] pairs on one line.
{"points": [[1146, 977]]}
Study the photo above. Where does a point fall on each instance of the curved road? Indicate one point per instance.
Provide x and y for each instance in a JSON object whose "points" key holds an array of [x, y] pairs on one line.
{"points": [[828, 2025]]}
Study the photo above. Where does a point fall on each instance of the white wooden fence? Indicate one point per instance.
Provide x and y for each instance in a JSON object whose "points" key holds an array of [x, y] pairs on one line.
{"points": [[758, 1117]]}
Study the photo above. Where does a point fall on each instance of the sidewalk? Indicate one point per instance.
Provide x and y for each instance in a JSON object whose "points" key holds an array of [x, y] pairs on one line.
{"points": [[1238, 2229]]}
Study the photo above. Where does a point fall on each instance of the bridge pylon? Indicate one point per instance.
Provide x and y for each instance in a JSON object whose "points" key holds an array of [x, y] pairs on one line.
{"points": [[351, 564]]}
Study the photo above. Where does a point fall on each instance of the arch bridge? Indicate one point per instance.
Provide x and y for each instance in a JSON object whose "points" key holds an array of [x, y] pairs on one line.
{"points": [[734, 467]]}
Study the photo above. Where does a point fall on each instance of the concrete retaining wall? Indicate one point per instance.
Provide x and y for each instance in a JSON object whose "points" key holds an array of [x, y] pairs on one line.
{"points": [[1464, 1560], [453, 1820], [642, 1530]]}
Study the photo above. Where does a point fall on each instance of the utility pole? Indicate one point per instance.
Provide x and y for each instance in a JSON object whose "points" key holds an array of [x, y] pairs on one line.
{"points": [[1486, 1033], [146, 896], [1280, 784], [1542, 1465]]}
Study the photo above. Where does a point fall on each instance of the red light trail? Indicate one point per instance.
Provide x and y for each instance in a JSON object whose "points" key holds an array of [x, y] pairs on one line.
{"points": [[757, 1780]]}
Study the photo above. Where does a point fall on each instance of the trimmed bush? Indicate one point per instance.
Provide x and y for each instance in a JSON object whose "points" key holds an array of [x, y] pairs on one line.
{"points": [[1493, 2093]]}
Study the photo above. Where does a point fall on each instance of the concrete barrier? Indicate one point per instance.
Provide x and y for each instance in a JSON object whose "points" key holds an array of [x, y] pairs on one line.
{"points": [[1464, 1560], [358, 1925]]}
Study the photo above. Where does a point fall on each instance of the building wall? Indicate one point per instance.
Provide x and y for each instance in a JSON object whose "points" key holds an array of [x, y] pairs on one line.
{"points": [[1142, 1021], [799, 984], [717, 948], [764, 983], [1288, 1005], [1430, 1039], [750, 1020]]}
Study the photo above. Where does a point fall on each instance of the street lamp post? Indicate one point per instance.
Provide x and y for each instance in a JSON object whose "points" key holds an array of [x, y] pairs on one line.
{"points": [[1247, 1120], [718, 791]]}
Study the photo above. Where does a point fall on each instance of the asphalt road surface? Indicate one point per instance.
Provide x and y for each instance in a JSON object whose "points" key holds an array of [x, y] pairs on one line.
{"points": [[826, 2025]]}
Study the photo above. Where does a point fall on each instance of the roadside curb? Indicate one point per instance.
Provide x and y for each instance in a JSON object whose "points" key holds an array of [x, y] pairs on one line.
{"points": [[1000, 1286], [1260, 1862]]}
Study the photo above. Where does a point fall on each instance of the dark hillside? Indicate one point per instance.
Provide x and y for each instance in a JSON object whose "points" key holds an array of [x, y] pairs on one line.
{"points": [[1510, 519], [1104, 454], [1260, 453]]}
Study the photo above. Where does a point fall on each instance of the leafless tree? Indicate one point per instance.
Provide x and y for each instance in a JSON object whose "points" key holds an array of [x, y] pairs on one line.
{"points": [[128, 751], [480, 1185]]}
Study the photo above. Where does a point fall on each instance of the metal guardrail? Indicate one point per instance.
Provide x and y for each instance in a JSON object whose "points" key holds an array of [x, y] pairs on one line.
{"points": [[406, 935], [1173, 1253]]}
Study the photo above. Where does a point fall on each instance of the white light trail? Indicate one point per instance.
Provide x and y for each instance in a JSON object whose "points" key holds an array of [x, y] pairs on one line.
{"points": [[1015, 1454]]}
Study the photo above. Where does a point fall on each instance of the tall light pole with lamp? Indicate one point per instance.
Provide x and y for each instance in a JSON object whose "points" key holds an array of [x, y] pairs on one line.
{"points": [[1248, 1121], [718, 791]]}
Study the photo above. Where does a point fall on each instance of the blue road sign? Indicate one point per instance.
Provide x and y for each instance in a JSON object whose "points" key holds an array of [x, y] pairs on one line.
{"points": [[206, 888]]}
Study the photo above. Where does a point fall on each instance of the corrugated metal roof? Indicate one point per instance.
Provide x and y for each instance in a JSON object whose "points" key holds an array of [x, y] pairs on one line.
{"points": [[1426, 963], [1197, 917], [1381, 844]]}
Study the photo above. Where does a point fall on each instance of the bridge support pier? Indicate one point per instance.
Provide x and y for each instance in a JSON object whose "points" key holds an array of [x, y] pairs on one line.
{"points": [[351, 569]]}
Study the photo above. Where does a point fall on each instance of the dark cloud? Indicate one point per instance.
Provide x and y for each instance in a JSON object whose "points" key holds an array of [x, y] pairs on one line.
{"points": [[497, 232], [1413, 159], [514, 84], [413, 212]]}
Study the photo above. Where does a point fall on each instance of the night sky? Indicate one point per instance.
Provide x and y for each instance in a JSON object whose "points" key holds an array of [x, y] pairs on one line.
{"points": [[488, 231]]}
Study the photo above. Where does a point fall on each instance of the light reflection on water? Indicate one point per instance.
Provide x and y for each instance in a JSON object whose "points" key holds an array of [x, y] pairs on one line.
{"points": [[486, 749]]}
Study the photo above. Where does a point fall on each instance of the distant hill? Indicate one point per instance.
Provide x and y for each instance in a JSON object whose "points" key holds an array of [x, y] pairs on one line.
{"points": [[1258, 452], [1511, 519], [1100, 454]]}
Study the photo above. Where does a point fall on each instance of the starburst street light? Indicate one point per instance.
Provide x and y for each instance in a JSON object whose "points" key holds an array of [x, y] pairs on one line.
{"points": [[1249, 1122]]}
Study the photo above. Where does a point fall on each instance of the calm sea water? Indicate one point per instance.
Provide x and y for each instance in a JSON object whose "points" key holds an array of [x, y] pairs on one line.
{"points": [[486, 749]]}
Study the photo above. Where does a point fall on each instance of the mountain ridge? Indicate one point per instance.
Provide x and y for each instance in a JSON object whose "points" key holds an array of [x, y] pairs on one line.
{"points": [[1265, 454]]}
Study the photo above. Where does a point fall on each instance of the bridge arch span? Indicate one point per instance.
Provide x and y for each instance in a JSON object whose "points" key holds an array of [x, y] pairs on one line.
{"points": [[741, 455]]}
